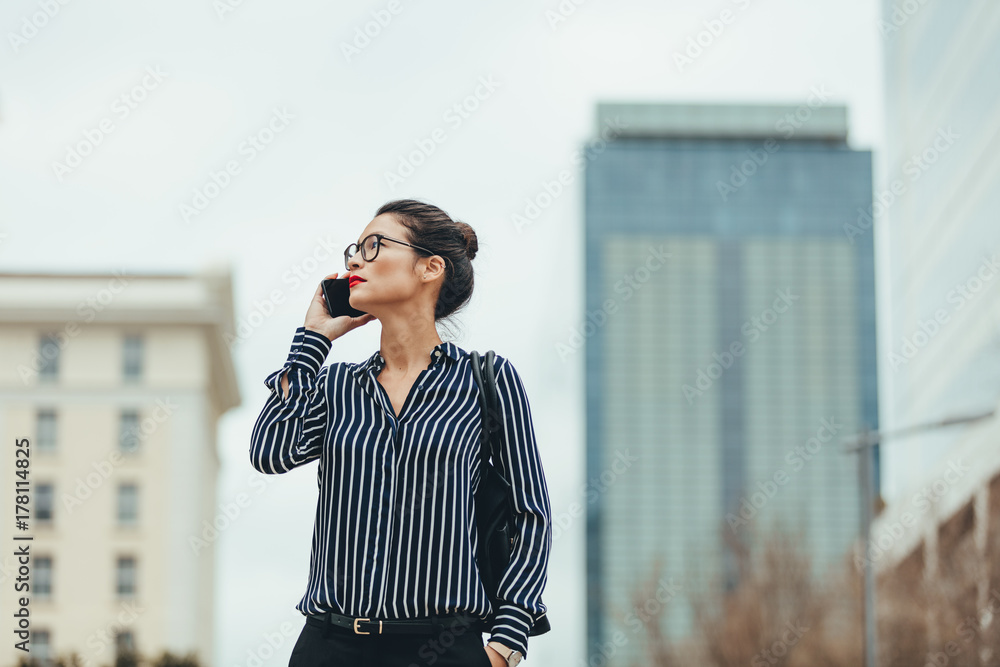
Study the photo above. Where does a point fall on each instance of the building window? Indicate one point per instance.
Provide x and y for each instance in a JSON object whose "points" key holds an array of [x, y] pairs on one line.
{"points": [[41, 647], [128, 504], [45, 430], [48, 354], [44, 502], [125, 574], [128, 432], [132, 357], [42, 577], [124, 643]]}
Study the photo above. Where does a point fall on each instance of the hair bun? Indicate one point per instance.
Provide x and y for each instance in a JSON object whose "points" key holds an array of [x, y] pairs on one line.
{"points": [[471, 242]]}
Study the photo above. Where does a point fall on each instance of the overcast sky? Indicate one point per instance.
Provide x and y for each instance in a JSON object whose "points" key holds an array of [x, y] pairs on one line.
{"points": [[211, 75]]}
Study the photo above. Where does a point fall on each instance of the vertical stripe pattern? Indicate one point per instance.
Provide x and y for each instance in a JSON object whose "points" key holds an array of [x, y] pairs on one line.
{"points": [[395, 528]]}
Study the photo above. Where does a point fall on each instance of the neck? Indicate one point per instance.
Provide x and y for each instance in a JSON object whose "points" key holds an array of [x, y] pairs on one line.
{"points": [[406, 345]]}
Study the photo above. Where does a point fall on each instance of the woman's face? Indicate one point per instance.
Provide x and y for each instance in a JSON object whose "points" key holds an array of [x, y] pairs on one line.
{"points": [[392, 278]]}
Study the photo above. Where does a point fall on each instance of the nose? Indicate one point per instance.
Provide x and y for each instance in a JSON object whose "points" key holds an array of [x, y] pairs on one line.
{"points": [[354, 262]]}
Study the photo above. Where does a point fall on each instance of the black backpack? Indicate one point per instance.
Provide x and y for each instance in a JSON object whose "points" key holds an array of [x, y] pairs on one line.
{"points": [[494, 508]]}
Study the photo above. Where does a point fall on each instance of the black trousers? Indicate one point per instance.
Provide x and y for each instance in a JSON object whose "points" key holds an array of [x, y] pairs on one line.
{"points": [[457, 645]]}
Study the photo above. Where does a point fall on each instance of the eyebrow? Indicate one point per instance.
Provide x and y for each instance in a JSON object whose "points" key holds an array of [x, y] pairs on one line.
{"points": [[358, 242]]}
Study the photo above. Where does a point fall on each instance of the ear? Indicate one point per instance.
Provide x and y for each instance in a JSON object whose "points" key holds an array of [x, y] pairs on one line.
{"points": [[433, 268]]}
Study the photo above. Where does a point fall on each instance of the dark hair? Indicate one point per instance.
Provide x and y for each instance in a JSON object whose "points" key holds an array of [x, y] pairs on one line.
{"points": [[430, 227]]}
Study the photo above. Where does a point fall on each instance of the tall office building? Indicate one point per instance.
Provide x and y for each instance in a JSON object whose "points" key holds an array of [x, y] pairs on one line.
{"points": [[943, 158], [731, 346], [942, 357], [112, 386]]}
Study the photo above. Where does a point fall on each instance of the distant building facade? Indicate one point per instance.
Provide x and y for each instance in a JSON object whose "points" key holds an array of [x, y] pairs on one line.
{"points": [[941, 524], [943, 160], [115, 384], [731, 346]]}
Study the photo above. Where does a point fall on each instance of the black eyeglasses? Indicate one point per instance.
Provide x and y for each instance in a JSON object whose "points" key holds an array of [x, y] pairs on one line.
{"points": [[370, 246]]}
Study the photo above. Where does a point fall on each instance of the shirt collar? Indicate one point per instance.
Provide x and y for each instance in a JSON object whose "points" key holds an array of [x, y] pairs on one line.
{"points": [[441, 351]]}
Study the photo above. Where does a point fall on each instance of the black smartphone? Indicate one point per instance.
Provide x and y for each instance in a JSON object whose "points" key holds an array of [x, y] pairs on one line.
{"points": [[337, 295]]}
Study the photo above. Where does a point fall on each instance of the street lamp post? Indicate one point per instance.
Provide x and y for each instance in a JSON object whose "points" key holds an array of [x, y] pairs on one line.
{"points": [[862, 444]]}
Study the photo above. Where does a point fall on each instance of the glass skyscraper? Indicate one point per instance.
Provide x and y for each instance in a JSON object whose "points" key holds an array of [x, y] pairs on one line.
{"points": [[940, 205], [730, 346]]}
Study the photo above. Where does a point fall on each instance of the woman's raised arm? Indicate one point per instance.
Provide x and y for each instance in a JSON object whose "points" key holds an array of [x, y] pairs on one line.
{"points": [[289, 430]]}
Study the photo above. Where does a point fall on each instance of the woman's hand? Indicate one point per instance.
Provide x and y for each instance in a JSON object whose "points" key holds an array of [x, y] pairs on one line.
{"points": [[318, 318], [496, 659]]}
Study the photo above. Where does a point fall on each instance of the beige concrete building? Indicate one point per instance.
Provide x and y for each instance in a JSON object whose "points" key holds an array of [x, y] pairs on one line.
{"points": [[116, 382]]}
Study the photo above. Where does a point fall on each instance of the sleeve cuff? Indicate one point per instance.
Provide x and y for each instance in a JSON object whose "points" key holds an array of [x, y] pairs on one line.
{"points": [[510, 627], [309, 349], [308, 352]]}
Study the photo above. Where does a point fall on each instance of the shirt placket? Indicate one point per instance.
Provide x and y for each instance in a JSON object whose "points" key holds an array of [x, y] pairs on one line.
{"points": [[388, 500]]}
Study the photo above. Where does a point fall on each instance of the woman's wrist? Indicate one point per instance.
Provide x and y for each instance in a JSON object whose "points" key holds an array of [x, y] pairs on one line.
{"points": [[309, 328], [491, 652]]}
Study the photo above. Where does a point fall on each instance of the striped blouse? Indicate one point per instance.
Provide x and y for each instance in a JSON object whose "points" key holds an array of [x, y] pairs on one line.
{"points": [[395, 533]]}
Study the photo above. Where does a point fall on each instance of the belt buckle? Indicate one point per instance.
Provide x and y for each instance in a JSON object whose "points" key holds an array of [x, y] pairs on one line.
{"points": [[358, 631]]}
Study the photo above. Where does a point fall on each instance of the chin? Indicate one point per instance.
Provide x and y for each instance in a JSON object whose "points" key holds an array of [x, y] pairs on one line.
{"points": [[360, 304]]}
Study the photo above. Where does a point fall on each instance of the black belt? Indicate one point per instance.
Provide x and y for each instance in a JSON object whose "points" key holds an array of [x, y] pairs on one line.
{"points": [[378, 626]]}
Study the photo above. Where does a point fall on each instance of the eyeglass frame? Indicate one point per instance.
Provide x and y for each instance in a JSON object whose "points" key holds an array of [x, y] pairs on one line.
{"points": [[381, 237]]}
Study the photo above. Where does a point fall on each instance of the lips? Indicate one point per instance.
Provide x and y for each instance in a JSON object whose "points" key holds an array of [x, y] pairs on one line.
{"points": [[354, 280]]}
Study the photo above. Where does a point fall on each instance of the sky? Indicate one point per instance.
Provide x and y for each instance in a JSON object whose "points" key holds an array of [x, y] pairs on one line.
{"points": [[258, 134]]}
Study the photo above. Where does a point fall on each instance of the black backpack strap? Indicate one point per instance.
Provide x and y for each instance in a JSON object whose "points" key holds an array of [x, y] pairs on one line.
{"points": [[495, 422], [489, 405], [491, 441], [477, 374]]}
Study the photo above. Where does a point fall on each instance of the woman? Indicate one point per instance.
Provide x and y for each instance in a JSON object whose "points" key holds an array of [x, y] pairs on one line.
{"points": [[392, 575]]}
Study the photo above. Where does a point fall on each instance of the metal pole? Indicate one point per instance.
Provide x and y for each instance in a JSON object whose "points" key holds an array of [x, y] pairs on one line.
{"points": [[867, 507], [864, 445]]}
